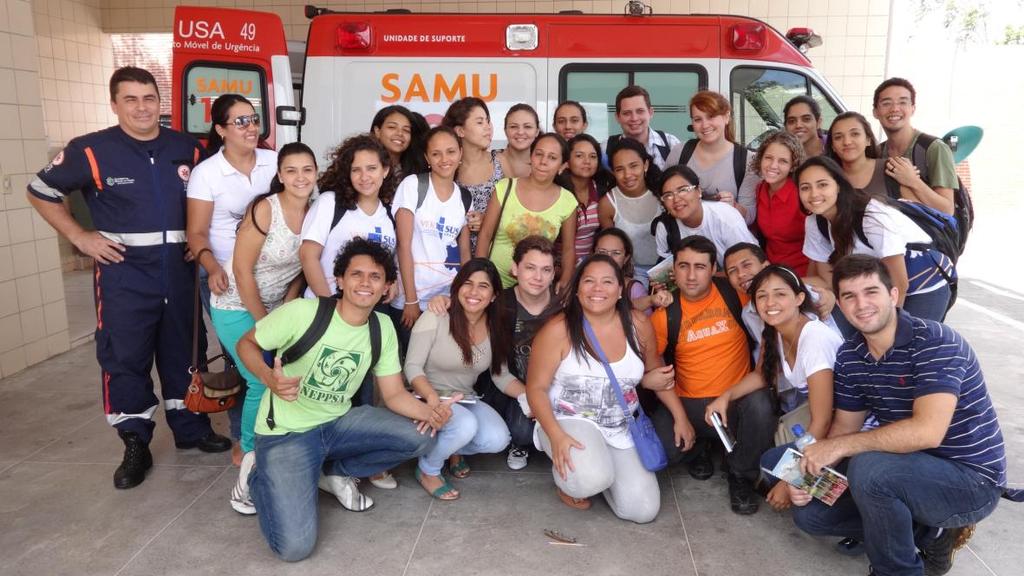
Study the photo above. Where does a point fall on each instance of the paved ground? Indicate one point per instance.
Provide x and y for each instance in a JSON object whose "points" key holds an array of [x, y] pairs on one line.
{"points": [[60, 514]]}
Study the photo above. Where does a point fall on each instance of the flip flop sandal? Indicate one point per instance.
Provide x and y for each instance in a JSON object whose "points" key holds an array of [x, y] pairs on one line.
{"points": [[577, 503], [445, 492], [460, 469]]}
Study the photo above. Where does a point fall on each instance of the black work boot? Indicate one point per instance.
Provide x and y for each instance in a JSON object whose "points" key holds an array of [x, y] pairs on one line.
{"points": [[212, 442], [137, 459], [701, 467], [742, 498]]}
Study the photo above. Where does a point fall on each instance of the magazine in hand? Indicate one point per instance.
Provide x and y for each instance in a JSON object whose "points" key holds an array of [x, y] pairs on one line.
{"points": [[662, 273], [723, 433], [827, 487]]}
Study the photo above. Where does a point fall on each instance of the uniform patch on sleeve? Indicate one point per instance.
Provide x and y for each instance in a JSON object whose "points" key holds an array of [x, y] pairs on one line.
{"points": [[184, 172], [57, 161]]}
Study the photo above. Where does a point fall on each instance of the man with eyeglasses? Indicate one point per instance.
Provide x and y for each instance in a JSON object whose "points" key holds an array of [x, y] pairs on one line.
{"points": [[921, 164], [688, 214], [133, 178]]}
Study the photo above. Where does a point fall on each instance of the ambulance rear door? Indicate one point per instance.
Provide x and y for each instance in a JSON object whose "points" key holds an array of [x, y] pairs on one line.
{"points": [[673, 57], [221, 51]]}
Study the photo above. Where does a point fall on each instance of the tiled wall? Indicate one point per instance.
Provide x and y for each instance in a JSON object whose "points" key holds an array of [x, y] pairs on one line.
{"points": [[33, 316], [852, 57]]}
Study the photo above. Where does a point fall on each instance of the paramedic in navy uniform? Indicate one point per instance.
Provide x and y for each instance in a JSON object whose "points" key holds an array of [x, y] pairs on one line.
{"points": [[133, 178]]}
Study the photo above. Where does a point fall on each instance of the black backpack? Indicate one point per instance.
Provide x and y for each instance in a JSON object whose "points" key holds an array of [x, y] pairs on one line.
{"points": [[423, 185], [941, 228], [739, 160], [321, 321], [672, 235], [963, 205], [663, 148]]}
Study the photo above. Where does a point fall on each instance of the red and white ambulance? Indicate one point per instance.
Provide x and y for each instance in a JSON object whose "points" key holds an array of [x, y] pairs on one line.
{"points": [[356, 63]]}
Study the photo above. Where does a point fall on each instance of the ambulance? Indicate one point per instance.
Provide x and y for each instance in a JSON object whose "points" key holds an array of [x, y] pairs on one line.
{"points": [[353, 64]]}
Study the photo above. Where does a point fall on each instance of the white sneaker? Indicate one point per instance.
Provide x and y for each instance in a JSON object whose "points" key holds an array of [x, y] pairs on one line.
{"points": [[240, 499], [384, 481], [517, 458], [345, 490]]}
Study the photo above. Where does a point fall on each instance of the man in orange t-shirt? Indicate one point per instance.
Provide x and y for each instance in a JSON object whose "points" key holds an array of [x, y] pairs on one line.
{"points": [[712, 354]]}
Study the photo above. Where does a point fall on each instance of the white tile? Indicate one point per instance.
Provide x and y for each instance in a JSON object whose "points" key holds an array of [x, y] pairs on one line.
{"points": [[10, 332], [24, 257], [20, 16], [57, 343], [48, 254], [23, 49], [10, 126], [32, 122], [33, 324], [12, 362], [12, 156], [36, 352], [8, 298], [6, 263], [51, 285], [28, 87], [6, 55], [29, 294], [5, 234], [56, 317]]}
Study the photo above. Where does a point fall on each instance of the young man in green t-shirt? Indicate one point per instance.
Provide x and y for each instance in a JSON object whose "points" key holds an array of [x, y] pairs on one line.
{"points": [[315, 436]]}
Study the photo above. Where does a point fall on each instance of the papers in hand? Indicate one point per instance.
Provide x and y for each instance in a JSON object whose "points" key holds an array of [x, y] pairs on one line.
{"points": [[827, 486], [723, 433], [661, 273]]}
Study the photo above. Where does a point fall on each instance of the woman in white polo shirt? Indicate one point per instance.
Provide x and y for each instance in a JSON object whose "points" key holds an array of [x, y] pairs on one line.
{"points": [[219, 190]]}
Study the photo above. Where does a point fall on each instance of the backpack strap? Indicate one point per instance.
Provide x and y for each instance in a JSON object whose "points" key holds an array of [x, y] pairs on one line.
{"points": [[422, 185], [501, 210], [687, 152], [663, 148], [672, 236], [674, 314], [732, 302], [321, 320], [467, 198], [374, 324], [339, 212], [739, 165]]}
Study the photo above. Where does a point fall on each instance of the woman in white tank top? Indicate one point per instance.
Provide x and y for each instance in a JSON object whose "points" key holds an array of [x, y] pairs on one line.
{"points": [[582, 425], [631, 206]]}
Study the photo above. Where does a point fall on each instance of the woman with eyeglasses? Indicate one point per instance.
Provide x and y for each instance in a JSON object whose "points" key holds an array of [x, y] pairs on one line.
{"points": [[691, 215], [219, 189]]}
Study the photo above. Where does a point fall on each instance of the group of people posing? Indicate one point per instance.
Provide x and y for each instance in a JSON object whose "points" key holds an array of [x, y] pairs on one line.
{"points": [[425, 297]]}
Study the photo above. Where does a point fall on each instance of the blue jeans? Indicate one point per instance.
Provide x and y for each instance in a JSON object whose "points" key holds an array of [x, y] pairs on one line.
{"points": [[363, 442], [895, 495], [472, 429]]}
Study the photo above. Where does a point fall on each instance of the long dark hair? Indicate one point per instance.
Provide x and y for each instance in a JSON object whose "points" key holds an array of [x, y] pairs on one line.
{"points": [[338, 175], [850, 205], [276, 187], [411, 159], [219, 111], [653, 173], [769, 342], [574, 310], [602, 179], [497, 332], [870, 151]]}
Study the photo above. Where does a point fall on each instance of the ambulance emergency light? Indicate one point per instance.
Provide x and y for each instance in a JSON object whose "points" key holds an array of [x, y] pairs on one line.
{"points": [[354, 36]]}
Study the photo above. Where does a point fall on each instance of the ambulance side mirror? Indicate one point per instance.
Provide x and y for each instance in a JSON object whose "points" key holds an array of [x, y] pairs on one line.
{"points": [[290, 116]]}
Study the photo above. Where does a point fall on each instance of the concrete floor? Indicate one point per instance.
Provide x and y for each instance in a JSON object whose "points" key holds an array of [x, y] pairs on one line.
{"points": [[61, 515]]}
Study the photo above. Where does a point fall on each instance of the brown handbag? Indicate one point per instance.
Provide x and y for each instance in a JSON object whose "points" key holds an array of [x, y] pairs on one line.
{"points": [[209, 391]]}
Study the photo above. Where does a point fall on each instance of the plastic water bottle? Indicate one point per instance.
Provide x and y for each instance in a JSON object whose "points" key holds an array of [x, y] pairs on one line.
{"points": [[803, 438]]}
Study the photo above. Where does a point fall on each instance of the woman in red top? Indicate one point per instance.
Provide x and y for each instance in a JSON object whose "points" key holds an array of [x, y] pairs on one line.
{"points": [[779, 215]]}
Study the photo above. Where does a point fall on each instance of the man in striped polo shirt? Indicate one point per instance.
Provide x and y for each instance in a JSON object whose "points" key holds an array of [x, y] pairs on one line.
{"points": [[936, 465]]}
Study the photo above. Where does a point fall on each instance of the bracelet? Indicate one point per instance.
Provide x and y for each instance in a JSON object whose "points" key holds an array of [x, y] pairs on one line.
{"points": [[416, 301]]}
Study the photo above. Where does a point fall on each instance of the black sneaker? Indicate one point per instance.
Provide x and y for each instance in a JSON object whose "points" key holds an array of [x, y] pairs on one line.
{"points": [[741, 495], [850, 547], [137, 459], [212, 442], [701, 466], [938, 554]]}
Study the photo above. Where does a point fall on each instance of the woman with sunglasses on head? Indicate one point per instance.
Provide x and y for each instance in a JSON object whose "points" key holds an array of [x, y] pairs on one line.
{"points": [[616, 244], [219, 189], [582, 425]]}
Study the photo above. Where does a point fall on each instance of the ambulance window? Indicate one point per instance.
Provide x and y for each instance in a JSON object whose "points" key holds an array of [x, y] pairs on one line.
{"points": [[829, 110], [204, 83], [758, 96], [596, 85]]}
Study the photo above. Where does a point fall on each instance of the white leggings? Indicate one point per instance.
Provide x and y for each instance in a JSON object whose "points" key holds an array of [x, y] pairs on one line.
{"points": [[630, 489]]}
